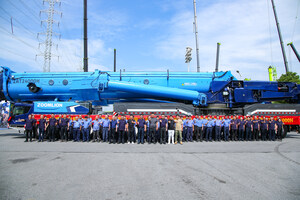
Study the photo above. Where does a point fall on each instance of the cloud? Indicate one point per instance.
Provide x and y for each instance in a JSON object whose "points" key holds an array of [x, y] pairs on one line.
{"points": [[242, 27]]}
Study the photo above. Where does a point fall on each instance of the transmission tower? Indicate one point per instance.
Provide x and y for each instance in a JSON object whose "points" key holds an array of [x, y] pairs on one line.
{"points": [[50, 12]]}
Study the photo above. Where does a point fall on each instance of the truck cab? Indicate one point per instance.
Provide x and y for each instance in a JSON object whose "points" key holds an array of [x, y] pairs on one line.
{"points": [[18, 113]]}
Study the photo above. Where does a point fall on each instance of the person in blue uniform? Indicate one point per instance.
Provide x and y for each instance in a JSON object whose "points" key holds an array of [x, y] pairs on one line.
{"points": [[85, 129], [249, 129], [184, 132], [28, 128], [52, 127], [209, 125], [113, 130], [122, 127], [96, 127], [263, 124], [272, 124], [279, 127], [226, 123], [76, 129], [163, 129], [142, 127], [200, 127], [105, 128], [204, 122], [190, 129], [42, 128], [218, 125], [241, 128], [148, 130]]}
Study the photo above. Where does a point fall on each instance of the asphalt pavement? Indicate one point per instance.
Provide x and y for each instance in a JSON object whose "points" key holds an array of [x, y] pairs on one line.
{"points": [[207, 170]]}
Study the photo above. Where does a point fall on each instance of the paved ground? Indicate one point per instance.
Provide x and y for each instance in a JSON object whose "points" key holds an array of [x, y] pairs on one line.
{"points": [[217, 170]]}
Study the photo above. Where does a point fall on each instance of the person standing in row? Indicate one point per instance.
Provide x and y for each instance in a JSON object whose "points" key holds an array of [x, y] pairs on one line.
{"points": [[197, 125], [157, 133], [113, 130], [263, 128], [218, 125], [178, 129], [184, 132], [131, 130], [249, 129], [28, 128], [163, 129], [34, 127], [153, 128], [148, 130], [190, 129], [52, 127], [226, 123], [171, 130], [105, 128], [71, 132], [42, 128], [96, 127], [64, 125], [255, 128], [279, 125], [241, 128], [234, 125], [85, 129], [76, 129], [272, 124], [209, 126], [122, 126], [141, 129]]}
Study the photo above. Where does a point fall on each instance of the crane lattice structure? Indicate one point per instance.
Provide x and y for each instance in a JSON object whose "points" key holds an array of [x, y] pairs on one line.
{"points": [[50, 12]]}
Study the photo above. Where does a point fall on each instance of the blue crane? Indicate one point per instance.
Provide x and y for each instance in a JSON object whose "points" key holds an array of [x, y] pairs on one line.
{"points": [[104, 87]]}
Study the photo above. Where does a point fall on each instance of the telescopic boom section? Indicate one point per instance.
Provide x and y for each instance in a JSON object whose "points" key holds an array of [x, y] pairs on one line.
{"points": [[295, 50], [159, 91]]}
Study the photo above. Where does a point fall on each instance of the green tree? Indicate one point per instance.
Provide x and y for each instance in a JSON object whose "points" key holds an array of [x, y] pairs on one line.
{"points": [[289, 77]]}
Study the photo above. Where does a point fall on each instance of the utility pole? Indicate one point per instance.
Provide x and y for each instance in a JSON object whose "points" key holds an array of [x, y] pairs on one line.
{"points": [[280, 38], [85, 39], [188, 57], [49, 33], [115, 60], [217, 57], [196, 36]]}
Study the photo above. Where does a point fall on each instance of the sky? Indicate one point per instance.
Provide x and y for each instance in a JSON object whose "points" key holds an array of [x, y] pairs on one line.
{"points": [[152, 35]]}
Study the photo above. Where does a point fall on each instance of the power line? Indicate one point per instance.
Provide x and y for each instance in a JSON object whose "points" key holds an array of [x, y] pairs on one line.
{"points": [[21, 24], [22, 11], [17, 38], [296, 18]]}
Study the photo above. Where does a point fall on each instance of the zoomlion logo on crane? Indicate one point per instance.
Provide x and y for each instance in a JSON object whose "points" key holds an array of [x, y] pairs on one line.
{"points": [[49, 105]]}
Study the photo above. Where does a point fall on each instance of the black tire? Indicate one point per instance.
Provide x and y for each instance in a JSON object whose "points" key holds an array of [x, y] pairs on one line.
{"points": [[284, 132]]}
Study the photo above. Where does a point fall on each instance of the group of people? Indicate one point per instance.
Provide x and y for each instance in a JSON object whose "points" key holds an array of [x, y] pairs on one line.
{"points": [[153, 129]]}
